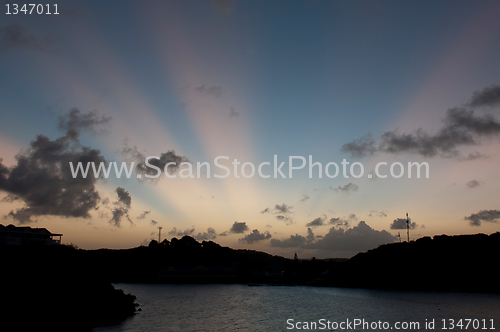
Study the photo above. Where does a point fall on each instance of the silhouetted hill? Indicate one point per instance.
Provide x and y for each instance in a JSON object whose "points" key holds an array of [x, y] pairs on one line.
{"points": [[49, 288], [70, 289], [460, 262]]}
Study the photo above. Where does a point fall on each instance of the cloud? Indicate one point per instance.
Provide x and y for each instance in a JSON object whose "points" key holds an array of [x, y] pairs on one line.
{"points": [[283, 208], [400, 223], [473, 156], [153, 222], [305, 198], [359, 238], [381, 214], [210, 234], [180, 233], [339, 222], [294, 241], [124, 197], [483, 215], [489, 96], [239, 227], [473, 184], [461, 127], [122, 205], [255, 236], [75, 121], [214, 91], [348, 188], [320, 221], [165, 158], [42, 177], [286, 219], [224, 6], [15, 36], [143, 215], [280, 209], [360, 147]]}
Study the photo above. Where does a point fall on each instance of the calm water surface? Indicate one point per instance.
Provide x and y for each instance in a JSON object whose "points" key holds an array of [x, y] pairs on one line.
{"points": [[266, 308]]}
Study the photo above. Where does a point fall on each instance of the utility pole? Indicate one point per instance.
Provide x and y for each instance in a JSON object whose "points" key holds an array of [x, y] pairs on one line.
{"points": [[159, 234], [408, 226]]}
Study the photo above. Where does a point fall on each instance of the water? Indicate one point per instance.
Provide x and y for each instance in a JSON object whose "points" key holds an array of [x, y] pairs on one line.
{"points": [[266, 308]]}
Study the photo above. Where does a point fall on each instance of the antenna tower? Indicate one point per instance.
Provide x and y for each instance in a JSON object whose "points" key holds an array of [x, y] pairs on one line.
{"points": [[408, 227]]}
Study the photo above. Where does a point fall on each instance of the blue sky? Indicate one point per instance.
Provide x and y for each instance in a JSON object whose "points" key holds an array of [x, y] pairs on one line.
{"points": [[251, 79]]}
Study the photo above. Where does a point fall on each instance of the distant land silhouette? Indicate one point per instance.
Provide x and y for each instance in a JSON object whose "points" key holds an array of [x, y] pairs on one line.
{"points": [[66, 288]]}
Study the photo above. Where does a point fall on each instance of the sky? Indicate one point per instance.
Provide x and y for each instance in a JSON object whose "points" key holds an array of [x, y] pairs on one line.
{"points": [[190, 81]]}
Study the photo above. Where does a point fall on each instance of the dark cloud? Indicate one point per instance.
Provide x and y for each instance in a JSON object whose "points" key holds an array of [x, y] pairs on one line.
{"points": [[283, 208], [180, 233], [215, 91], [348, 188], [118, 214], [286, 219], [374, 213], [461, 127], [320, 221], [359, 238], [223, 6], [473, 184], [122, 205], [165, 158], [294, 241], [360, 147], [255, 236], [305, 198], [279, 209], [483, 215], [489, 96], [43, 180], [464, 122], [15, 36], [473, 156], [210, 234], [133, 154], [75, 121], [239, 227], [400, 223], [143, 215], [339, 222], [124, 197]]}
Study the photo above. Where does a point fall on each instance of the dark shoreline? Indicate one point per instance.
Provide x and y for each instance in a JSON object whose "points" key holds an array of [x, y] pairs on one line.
{"points": [[61, 286]]}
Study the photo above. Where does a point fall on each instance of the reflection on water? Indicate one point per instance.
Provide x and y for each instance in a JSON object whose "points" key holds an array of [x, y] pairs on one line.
{"points": [[244, 308]]}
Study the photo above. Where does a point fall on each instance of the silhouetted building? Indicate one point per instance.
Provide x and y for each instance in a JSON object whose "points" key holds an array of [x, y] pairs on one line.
{"points": [[12, 235]]}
